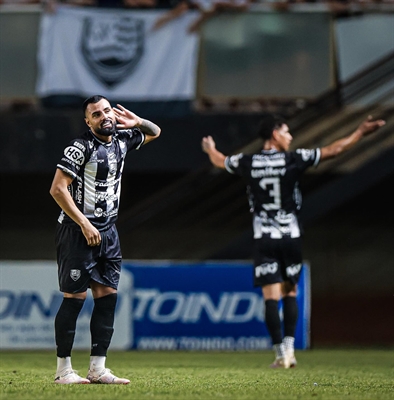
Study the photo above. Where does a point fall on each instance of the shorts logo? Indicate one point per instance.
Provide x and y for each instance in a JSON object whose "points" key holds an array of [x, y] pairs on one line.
{"points": [[75, 274], [293, 269], [112, 47], [267, 268]]}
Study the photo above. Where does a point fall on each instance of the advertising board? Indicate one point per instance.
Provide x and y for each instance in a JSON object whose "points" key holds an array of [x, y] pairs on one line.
{"points": [[161, 306]]}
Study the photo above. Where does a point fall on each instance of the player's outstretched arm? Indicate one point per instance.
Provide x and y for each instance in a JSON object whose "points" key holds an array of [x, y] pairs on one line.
{"points": [[216, 157], [367, 127], [127, 119]]}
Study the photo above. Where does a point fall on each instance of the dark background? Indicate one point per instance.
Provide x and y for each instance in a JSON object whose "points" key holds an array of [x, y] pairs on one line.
{"points": [[349, 249]]}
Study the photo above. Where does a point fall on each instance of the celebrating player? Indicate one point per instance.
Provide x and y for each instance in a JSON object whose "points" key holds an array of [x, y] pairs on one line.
{"points": [[272, 178], [87, 186]]}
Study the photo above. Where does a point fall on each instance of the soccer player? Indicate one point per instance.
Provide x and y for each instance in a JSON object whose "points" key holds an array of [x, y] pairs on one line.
{"points": [[86, 186], [272, 177]]}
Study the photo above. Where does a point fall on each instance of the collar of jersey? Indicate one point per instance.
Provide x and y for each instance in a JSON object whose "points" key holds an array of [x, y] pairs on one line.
{"points": [[269, 151], [100, 141]]}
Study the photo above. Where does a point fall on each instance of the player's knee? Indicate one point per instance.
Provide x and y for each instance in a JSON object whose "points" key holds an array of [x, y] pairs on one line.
{"points": [[289, 288]]}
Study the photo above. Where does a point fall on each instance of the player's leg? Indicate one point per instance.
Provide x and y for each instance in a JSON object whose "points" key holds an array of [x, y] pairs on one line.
{"points": [[290, 317], [292, 262], [267, 274], [272, 295], [101, 328], [104, 284], [65, 324], [73, 282]]}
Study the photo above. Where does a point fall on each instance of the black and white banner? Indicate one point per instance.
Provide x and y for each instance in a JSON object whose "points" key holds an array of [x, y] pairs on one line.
{"points": [[116, 53]]}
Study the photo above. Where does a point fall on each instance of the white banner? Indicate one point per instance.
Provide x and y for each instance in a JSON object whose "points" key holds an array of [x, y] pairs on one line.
{"points": [[30, 299], [116, 53]]}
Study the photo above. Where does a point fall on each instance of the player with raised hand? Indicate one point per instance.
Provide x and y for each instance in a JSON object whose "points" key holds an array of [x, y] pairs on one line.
{"points": [[272, 176], [87, 186]]}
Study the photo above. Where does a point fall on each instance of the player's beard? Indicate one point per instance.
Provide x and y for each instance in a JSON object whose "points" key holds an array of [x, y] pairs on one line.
{"points": [[106, 131]]}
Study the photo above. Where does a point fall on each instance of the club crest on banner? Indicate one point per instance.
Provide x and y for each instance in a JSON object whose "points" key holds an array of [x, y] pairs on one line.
{"points": [[112, 46]]}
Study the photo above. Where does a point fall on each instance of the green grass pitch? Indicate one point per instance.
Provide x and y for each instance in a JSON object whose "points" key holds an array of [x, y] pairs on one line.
{"points": [[320, 374]]}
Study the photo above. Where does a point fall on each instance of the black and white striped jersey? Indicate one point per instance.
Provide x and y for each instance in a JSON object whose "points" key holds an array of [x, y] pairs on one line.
{"points": [[272, 187], [97, 169]]}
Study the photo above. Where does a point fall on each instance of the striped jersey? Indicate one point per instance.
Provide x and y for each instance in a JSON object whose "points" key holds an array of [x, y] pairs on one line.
{"points": [[273, 191], [97, 168]]}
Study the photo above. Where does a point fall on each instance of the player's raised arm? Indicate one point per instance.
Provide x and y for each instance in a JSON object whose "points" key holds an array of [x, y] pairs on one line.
{"points": [[127, 119], [341, 145], [209, 146]]}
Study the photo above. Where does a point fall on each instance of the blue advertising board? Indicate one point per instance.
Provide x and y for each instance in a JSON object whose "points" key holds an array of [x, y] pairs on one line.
{"points": [[204, 306]]}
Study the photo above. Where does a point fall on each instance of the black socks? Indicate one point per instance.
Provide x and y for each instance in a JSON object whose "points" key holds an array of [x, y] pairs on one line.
{"points": [[272, 321], [102, 324], [290, 315], [65, 323]]}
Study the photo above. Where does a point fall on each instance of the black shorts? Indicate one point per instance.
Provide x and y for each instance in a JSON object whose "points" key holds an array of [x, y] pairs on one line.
{"points": [[79, 263], [277, 260]]}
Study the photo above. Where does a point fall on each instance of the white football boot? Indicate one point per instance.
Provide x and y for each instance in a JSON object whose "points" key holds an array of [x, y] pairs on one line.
{"points": [[105, 376], [69, 376]]}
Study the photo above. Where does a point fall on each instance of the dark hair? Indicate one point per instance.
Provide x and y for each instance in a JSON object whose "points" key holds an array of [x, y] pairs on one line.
{"points": [[92, 99], [268, 124]]}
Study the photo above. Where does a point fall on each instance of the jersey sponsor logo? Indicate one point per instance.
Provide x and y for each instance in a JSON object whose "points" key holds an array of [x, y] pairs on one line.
{"points": [[104, 196], [99, 212], [280, 162], [75, 274], [258, 173], [306, 154], [265, 269], [106, 184], [112, 46], [66, 160], [293, 270], [79, 145], [74, 154], [78, 192]]}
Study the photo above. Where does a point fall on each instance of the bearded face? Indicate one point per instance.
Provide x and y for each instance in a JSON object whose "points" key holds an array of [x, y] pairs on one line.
{"points": [[100, 118], [107, 128]]}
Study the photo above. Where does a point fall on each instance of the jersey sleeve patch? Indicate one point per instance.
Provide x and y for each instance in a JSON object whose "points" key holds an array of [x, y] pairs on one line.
{"points": [[231, 163], [74, 154], [308, 157], [306, 154]]}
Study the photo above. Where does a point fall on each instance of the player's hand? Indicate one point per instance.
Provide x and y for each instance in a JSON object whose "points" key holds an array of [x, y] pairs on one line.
{"points": [[125, 118], [369, 125], [91, 234], [208, 144]]}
